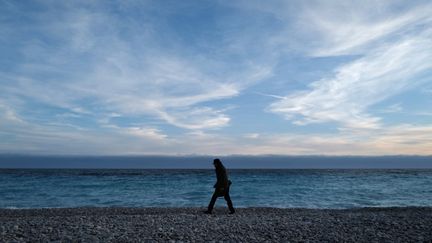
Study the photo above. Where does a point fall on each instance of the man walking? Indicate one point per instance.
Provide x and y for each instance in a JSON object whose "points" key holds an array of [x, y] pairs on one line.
{"points": [[222, 187]]}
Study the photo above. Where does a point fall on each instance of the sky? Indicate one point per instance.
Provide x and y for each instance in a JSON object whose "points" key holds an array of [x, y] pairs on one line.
{"points": [[216, 77]]}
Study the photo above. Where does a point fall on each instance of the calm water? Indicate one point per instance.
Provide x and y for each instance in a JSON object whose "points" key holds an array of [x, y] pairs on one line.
{"points": [[177, 188]]}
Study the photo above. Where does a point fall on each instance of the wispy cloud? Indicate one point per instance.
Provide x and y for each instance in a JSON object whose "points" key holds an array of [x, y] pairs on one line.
{"points": [[399, 139], [151, 133], [100, 59], [252, 135], [395, 108], [9, 115], [392, 63], [352, 28], [45, 138]]}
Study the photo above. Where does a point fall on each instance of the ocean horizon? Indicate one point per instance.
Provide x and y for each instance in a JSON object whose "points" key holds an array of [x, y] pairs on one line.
{"points": [[205, 161]]}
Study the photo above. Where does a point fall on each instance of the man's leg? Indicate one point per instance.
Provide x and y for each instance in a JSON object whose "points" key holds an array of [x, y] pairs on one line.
{"points": [[212, 203], [229, 202]]}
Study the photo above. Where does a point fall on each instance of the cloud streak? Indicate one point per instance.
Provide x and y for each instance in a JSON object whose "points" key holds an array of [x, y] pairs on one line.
{"points": [[104, 61], [391, 64]]}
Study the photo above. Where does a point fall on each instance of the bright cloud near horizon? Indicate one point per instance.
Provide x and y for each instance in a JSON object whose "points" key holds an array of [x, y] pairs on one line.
{"points": [[216, 77]]}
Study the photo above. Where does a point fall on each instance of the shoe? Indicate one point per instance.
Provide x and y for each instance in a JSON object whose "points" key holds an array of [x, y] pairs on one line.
{"points": [[232, 212], [207, 212]]}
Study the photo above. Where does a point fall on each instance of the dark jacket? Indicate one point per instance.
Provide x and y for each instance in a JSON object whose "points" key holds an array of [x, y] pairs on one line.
{"points": [[222, 178]]}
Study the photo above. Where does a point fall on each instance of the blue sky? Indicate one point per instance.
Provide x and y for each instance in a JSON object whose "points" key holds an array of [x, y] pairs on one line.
{"points": [[216, 77]]}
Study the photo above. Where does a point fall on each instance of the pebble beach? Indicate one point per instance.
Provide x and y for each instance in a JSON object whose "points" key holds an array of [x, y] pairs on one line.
{"points": [[404, 224]]}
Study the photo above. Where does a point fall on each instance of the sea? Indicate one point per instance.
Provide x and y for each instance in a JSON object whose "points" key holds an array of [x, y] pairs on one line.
{"points": [[282, 188]]}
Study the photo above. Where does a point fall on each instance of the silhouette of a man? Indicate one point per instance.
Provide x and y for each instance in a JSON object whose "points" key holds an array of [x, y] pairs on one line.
{"points": [[222, 187]]}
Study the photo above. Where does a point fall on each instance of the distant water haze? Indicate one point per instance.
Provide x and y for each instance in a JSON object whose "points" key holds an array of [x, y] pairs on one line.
{"points": [[205, 162]]}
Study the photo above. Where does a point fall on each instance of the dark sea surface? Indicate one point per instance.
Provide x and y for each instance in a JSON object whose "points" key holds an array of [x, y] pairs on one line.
{"points": [[306, 188]]}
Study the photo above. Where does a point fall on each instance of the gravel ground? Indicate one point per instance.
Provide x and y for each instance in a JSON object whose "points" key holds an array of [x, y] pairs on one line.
{"points": [[190, 225]]}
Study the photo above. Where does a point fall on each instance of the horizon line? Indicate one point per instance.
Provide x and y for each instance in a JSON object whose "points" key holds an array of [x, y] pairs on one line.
{"points": [[210, 155]]}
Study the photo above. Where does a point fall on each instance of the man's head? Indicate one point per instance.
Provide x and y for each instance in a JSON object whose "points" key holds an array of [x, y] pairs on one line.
{"points": [[217, 162]]}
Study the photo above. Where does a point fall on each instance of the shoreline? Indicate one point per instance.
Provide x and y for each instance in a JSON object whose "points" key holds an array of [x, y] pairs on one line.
{"points": [[107, 224]]}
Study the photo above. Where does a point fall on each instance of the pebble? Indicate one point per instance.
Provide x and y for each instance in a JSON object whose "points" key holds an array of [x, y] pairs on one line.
{"points": [[190, 225]]}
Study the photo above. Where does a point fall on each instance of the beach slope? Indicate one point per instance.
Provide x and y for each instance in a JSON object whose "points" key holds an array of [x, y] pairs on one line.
{"points": [[412, 224]]}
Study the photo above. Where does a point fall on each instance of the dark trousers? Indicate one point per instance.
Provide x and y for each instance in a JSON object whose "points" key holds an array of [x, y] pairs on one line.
{"points": [[227, 197]]}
